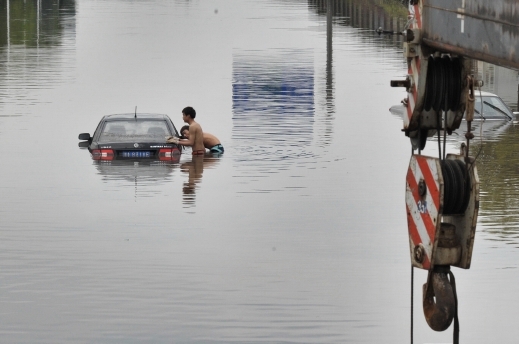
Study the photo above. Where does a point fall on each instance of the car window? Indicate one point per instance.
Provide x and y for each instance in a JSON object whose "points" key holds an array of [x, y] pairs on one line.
{"points": [[134, 130], [493, 108]]}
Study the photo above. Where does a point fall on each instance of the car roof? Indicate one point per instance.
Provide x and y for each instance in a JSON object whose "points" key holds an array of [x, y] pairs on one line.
{"points": [[121, 116], [484, 94], [400, 109]]}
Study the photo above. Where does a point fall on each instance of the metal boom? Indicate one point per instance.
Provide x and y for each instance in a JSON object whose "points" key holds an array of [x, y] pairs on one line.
{"points": [[485, 30]]}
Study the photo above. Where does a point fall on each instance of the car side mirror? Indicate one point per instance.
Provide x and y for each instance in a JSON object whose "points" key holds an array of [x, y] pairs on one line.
{"points": [[83, 144], [84, 136]]}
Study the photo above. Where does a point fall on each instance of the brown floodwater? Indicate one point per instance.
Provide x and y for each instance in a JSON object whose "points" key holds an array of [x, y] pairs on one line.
{"points": [[297, 234]]}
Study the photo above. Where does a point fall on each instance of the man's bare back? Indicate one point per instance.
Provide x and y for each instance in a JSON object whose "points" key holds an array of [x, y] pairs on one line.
{"points": [[211, 142]]}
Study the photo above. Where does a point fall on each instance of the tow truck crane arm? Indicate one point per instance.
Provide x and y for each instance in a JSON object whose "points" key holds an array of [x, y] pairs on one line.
{"points": [[442, 194], [485, 30]]}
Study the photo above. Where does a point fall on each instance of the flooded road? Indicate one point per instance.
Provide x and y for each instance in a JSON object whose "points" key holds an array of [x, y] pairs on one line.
{"points": [[297, 234]]}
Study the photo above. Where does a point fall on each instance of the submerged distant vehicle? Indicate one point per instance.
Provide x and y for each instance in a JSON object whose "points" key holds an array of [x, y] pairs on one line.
{"points": [[491, 115], [492, 107], [133, 137], [487, 106]]}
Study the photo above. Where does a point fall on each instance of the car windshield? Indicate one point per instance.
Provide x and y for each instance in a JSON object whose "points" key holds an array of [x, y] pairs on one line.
{"points": [[493, 108], [134, 131]]}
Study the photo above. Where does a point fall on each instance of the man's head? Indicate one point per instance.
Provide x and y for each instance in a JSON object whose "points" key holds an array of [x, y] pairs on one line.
{"points": [[189, 111], [184, 131]]}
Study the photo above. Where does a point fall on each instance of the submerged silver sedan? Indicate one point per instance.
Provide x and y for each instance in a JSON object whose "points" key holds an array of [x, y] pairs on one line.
{"points": [[490, 106]]}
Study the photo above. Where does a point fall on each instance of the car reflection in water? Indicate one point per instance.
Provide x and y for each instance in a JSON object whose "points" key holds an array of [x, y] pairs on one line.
{"points": [[144, 177], [491, 116], [194, 170], [132, 170]]}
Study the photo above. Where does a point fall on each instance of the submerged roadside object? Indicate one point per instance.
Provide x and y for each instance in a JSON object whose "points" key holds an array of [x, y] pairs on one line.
{"points": [[133, 137]]}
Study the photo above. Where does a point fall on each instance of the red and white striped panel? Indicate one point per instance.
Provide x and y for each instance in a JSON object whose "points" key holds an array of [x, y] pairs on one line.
{"points": [[423, 217], [415, 12]]}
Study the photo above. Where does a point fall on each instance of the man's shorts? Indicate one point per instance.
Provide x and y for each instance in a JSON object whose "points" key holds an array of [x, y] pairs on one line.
{"points": [[198, 152], [217, 149]]}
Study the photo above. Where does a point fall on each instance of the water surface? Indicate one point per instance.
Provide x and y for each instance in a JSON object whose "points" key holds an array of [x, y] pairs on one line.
{"points": [[297, 234]]}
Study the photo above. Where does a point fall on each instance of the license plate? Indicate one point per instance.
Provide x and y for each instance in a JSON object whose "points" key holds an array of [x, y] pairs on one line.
{"points": [[136, 154]]}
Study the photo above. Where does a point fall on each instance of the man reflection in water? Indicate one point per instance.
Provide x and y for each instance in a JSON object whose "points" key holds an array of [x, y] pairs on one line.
{"points": [[195, 169], [196, 137], [211, 142]]}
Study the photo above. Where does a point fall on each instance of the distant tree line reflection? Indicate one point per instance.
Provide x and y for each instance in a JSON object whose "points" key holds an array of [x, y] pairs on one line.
{"points": [[34, 22]]}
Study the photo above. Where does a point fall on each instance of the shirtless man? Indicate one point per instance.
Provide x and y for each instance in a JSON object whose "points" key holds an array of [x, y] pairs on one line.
{"points": [[196, 138], [211, 142]]}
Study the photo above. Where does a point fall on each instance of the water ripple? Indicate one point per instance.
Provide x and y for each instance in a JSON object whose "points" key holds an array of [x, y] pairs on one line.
{"points": [[273, 107]]}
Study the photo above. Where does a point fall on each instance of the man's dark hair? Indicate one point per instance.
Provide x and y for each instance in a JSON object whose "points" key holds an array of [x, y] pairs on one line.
{"points": [[185, 127], [189, 111]]}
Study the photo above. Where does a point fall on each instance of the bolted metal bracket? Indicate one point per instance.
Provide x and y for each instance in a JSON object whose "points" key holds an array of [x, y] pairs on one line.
{"points": [[410, 50], [448, 251], [407, 83], [419, 253], [413, 36]]}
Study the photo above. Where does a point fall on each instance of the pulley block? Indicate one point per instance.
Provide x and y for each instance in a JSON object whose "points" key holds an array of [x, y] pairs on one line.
{"points": [[439, 193]]}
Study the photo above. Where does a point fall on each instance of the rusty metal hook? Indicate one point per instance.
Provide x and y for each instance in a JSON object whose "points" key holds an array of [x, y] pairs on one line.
{"points": [[439, 304]]}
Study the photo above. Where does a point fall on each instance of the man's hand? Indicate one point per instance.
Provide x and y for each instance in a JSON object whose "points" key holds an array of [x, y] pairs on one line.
{"points": [[172, 139]]}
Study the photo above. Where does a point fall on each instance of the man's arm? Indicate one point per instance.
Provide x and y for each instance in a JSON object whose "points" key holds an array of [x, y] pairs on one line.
{"points": [[178, 141], [186, 142]]}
